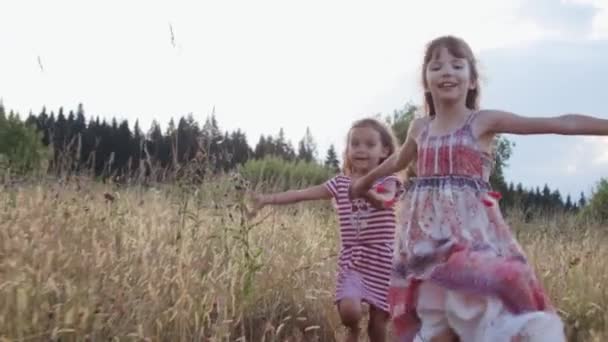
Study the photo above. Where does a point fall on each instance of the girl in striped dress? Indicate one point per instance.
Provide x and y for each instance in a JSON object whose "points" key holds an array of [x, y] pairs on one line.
{"points": [[367, 227], [459, 273]]}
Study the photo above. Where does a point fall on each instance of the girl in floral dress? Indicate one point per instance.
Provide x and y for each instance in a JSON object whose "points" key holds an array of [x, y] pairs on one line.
{"points": [[459, 274]]}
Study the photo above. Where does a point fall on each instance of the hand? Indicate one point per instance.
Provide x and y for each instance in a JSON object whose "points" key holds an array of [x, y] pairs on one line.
{"points": [[375, 200], [380, 198], [258, 201]]}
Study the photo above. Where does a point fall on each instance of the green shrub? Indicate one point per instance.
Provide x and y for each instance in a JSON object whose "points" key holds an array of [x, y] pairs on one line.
{"points": [[21, 148], [598, 205], [278, 174]]}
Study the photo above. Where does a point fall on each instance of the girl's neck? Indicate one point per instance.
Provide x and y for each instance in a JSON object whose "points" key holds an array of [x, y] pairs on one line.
{"points": [[448, 112], [356, 174], [448, 116]]}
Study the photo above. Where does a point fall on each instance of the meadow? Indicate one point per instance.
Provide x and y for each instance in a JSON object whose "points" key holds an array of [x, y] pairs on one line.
{"points": [[86, 261]]}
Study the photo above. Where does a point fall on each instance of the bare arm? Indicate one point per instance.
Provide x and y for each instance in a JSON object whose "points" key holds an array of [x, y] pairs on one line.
{"points": [[293, 196], [394, 163], [259, 201], [496, 122]]}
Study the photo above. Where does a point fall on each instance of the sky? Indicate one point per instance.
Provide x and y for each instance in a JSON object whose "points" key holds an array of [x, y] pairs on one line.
{"points": [[266, 65]]}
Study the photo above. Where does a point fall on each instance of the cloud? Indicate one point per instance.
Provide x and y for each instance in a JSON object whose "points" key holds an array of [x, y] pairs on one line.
{"points": [[562, 17], [597, 150], [571, 168], [548, 78], [600, 21], [570, 164], [273, 64]]}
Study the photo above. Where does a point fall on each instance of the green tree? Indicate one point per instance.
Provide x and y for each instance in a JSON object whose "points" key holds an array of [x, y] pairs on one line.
{"points": [[284, 149], [598, 203], [503, 148], [260, 148], [21, 148], [307, 148], [331, 159], [240, 148], [569, 206], [582, 202], [400, 121]]}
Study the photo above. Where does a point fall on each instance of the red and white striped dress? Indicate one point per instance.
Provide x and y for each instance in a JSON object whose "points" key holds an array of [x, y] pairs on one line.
{"points": [[366, 237]]}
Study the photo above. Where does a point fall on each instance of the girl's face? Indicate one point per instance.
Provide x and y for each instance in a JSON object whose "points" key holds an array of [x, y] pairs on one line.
{"points": [[448, 77], [365, 149]]}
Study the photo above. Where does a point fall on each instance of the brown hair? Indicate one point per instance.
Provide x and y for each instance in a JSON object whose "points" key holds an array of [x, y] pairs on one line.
{"points": [[460, 49], [387, 138]]}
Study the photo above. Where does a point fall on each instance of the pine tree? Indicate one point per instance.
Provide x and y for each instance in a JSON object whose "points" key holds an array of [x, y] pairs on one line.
{"points": [[211, 136], [283, 148], [260, 148], [122, 146], [136, 148], [240, 148], [271, 146], [80, 124], [31, 121], [331, 160], [70, 131], [307, 148], [60, 131], [158, 146], [582, 202], [42, 122], [557, 203], [569, 206]]}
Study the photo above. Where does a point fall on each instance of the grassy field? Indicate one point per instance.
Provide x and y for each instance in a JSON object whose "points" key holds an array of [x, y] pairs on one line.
{"points": [[85, 261]]}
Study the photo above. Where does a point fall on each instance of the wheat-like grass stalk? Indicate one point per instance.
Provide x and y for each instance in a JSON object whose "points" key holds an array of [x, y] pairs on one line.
{"points": [[184, 263]]}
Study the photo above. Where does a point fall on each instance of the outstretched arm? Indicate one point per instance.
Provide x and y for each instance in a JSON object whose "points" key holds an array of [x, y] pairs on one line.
{"points": [[259, 201], [292, 196], [497, 122]]}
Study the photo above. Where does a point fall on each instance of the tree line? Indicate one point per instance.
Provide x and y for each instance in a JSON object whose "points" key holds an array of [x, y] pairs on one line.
{"points": [[109, 148]]}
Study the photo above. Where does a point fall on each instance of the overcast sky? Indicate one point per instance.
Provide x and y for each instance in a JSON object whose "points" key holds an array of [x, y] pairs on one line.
{"points": [[322, 64]]}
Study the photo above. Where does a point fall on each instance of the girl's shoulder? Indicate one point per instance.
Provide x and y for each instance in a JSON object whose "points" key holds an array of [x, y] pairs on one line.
{"points": [[339, 180], [338, 185], [340, 176], [419, 122], [418, 126]]}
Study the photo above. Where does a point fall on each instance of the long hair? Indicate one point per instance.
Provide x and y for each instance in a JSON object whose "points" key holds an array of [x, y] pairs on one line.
{"points": [[387, 138], [460, 49]]}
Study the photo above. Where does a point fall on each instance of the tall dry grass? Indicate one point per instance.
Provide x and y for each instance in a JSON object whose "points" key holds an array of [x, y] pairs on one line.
{"points": [[85, 261]]}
